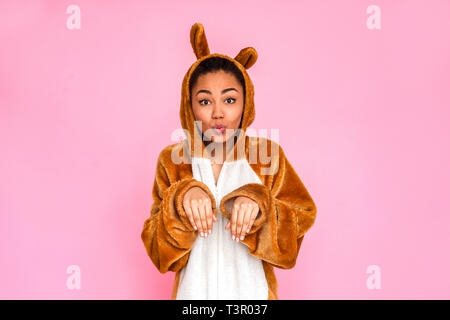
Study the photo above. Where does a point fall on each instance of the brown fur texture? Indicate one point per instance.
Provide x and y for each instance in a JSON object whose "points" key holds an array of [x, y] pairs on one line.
{"points": [[287, 210]]}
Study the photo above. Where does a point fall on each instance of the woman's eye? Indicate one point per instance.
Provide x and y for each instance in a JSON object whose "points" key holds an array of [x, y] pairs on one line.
{"points": [[202, 101], [231, 99]]}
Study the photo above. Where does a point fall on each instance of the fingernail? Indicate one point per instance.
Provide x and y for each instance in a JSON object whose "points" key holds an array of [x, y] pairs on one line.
{"points": [[242, 237], [232, 237], [201, 234], [195, 227], [248, 230], [210, 231]]}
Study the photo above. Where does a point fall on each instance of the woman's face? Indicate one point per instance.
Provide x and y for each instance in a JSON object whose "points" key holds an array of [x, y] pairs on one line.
{"points": [[218, 99]]}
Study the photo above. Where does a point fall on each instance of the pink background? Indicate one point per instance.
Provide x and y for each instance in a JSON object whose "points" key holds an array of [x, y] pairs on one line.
{"points": [[363, 116]]}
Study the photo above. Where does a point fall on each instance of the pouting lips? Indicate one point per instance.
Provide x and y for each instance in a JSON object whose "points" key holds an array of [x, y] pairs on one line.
{"points": [[219, 126], [220, 129]]}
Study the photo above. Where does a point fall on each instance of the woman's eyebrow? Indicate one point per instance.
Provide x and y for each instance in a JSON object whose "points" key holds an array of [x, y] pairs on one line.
{"points": [[209, 92]]}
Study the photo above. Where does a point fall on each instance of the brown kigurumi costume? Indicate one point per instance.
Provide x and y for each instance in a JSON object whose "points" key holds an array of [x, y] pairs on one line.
{"points": [[287, 210]]}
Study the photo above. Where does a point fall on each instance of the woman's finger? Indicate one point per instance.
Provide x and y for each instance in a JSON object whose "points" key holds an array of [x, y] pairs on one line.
{"points": [[233, 220], [189, 215], [209, 216], [196, 215], [240, 220], [255, 213], [247, 217], [201, 209]]}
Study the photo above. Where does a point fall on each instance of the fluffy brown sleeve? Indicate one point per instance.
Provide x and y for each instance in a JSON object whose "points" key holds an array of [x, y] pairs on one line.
{"points": [[287, 212], [167, 234]]}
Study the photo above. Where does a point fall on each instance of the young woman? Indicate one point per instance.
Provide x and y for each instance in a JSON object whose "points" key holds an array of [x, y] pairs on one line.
{"points": [[223, 215]]}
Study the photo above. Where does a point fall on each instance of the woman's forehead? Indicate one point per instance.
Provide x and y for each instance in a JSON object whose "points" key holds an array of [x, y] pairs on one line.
{"points": [[218, 80]]}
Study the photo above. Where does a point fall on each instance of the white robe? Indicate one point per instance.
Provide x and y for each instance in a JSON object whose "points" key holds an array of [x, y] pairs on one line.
{"points": [[218, 267]]}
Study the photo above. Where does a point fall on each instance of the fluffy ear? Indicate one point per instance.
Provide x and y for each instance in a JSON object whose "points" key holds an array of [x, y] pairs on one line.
{"points": [[198, 40], [247, 57]]}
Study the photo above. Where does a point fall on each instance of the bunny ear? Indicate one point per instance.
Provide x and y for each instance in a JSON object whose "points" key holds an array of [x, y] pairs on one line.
{"points": [[198, 40], [247, 57]]}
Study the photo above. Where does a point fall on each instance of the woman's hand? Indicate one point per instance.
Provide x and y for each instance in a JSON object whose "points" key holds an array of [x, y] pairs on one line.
{"points": [[197, 205], [243, 215]]}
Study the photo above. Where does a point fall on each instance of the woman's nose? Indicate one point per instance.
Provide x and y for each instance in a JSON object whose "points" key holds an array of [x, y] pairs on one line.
{"points": [[217, 111]]}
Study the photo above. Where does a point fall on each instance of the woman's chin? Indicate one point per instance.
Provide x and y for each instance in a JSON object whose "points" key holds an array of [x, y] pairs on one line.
{"points": [[217, 139]]}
